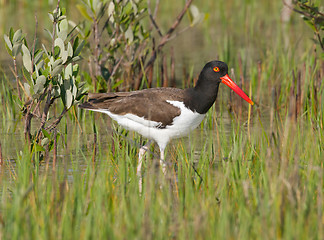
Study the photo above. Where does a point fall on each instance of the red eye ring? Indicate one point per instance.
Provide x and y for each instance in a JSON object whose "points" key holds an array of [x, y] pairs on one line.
{"points": [[216, 69]]}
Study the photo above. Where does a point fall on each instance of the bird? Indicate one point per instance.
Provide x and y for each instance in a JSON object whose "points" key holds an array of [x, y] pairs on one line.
{"points": [[162, 114]]}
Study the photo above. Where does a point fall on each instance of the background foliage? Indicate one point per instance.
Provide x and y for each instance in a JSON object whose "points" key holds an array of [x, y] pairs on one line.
{"points": [[247, 172]]}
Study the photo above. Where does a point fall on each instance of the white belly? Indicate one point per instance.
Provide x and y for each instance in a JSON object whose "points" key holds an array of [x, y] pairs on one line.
{"points": [[181, 125]]}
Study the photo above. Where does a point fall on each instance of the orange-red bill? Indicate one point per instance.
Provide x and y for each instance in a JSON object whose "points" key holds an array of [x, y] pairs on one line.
{"points": [[229, 82]]}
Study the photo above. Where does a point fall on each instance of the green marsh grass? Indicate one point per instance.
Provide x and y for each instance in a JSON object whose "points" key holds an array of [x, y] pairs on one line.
{"points": [[254, 173]]}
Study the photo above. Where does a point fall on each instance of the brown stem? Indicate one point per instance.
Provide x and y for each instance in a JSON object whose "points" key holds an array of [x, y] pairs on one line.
{"points": [[319, 37], [1, 158], [45, 112], [17, 78], [152, 18], [150, 77], [113, 72], [165, 72], [57, 120], [27, 129]]}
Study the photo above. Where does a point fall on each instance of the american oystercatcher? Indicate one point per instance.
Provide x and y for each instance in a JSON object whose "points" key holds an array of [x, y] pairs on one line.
{"points": [[162, 114]]}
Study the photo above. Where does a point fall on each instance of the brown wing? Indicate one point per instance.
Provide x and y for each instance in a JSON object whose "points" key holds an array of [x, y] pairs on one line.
{"points": [[149, 103]]}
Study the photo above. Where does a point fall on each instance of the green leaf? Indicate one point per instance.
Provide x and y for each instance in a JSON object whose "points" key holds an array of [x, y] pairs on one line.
{"points": [[194, 15], [16, 49], [99, 9], [38, 88], [51, 17], [129, 35], [57, 70], [79, 48], [57, 62], [68, 99], [64, 56], [8, 50], [7, 41], [41, 80], [56, 91], [40, 84], [75, 70], [11, 33], [38, 56], [46, 133], [67, 84], [44, 141], [69, 50], [75, 59], [74, 89], [117, 84], [17, 36], [27, 59], [40, 64], [62, 29], [68, 71], [57, 51], [63, 10], [60, 43], [134, 7], [105, 73], [49, 33], [127, 9], [39, 148], [84, 12], [27, 89], [111, 11], [45, 50]]}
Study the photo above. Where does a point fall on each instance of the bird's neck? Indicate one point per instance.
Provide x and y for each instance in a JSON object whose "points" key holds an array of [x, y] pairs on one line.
{"points": [[202, 96]]}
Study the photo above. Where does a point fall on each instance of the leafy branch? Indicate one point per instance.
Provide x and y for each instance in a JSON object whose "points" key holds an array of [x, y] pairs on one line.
{"points": [[121, 48], [49, 76], [311, 15]]}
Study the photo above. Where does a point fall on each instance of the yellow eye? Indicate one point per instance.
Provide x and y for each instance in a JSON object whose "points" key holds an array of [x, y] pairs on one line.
{"points": [[216, 69]]}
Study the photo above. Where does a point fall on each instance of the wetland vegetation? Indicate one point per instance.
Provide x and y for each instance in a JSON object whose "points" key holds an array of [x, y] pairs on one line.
{"points": [[248, 172]]}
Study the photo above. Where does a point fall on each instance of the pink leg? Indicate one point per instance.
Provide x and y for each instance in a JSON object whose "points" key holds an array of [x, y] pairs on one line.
{"points": [[141, 154]]}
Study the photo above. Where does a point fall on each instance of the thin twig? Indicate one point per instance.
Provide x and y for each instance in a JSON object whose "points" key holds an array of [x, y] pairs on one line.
{"points": [[34, 44], [113, 72], [312, 16], [46, 109], [17, 78], [166, 37], [57, 120], [152, 18]]}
